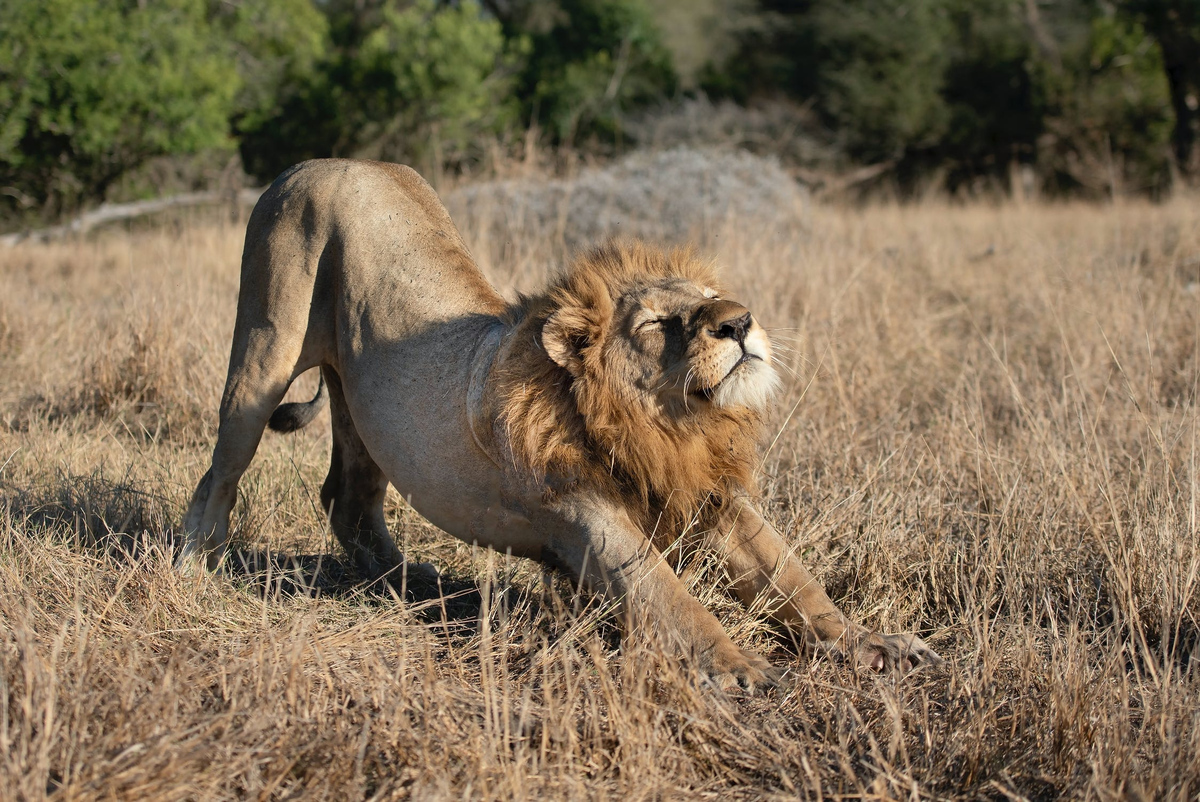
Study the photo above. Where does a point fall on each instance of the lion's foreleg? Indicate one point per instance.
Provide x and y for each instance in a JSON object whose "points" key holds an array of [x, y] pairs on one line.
{"points": [[197, 538], [206, 525], [600, 544], [763, 568]]}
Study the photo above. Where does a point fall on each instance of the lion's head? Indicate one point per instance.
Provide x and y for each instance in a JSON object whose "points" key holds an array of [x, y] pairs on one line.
{"points": [[641, 371]]}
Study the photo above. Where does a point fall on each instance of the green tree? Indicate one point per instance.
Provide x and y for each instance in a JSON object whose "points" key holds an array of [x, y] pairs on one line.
{"points": [[875, 70], [589, 63], [970, 86], [1109, 119], [417, 82], [880, 73], [1175, 24], [702, 36], [428, 78], [995, 98], [91, 89], [279, 47]]}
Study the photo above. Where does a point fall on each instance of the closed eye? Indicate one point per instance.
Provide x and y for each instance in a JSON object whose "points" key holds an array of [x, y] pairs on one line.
{"points": [[649, 325], [668, 324]]}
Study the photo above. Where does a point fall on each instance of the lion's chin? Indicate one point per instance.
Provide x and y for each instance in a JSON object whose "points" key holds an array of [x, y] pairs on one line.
{"points": [[753, 383]]}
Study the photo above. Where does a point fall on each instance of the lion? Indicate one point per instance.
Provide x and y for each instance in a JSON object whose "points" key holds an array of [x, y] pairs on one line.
{"points": [[589, 426]]}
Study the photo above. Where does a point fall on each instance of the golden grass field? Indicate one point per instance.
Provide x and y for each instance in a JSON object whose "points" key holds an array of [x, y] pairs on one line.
{"points": [[988, 436]]}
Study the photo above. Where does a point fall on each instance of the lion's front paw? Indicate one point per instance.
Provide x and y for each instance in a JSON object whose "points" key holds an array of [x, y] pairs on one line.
{"points": [[891, 652], [878, 652], [733, 667], [426, 573]]}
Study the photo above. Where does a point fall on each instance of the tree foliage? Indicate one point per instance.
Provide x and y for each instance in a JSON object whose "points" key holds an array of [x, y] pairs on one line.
{"points": [[1175, 25], [279, 47], [408, 82], [1090, 95], [1083, 91], [430, 77], [603, 58], [881, 69], [588, 63], [1110, 120], [90, 90]]}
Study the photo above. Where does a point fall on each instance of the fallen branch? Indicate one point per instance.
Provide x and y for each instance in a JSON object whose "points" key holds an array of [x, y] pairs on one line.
{"points": [[827, 184], [110, 212]]}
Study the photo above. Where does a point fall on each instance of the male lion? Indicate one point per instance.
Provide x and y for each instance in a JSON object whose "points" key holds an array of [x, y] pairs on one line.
{"points": [[586, 427]]}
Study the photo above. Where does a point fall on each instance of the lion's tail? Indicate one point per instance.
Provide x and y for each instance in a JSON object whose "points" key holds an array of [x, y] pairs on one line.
{"points": [[298, 414]]}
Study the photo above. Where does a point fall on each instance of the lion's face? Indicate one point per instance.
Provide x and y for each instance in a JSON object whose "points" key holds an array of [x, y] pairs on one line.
{"points": [[666, 381], [684, 347], [666, 341]]}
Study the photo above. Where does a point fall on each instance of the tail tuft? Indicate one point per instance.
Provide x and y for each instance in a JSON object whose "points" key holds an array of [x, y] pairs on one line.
{"points": [[298, 414]]}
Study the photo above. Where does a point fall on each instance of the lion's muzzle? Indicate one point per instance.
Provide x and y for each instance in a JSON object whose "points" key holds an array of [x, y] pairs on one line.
{"points": [[735, 354]]}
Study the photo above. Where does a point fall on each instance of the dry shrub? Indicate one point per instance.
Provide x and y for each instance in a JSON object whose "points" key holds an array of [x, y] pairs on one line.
{"points": [[676, 195], [92, 511], [989, 436], [107, 338], [139, 381]]}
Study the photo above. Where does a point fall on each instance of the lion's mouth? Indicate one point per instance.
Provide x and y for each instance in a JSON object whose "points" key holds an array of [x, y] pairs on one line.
{"points": [[707, 393]]}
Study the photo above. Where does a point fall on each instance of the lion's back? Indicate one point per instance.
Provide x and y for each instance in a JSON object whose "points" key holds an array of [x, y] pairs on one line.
{"points": [[373, 234], [357, 199]]}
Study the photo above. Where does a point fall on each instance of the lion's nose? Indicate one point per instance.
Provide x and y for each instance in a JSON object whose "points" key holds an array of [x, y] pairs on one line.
{"points": [[735, 327]]}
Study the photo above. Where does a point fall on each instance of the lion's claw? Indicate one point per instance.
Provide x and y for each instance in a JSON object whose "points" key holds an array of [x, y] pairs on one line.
{"points": [[739, 668], [879, 653], [895, 652]]}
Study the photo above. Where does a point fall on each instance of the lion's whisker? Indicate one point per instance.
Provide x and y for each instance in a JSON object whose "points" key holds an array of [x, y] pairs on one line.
{"points": [[686, 396], [795, 374]]}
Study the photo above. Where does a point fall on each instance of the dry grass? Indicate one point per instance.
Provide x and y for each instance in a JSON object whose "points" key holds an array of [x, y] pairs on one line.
{"points": [[997, 448]]}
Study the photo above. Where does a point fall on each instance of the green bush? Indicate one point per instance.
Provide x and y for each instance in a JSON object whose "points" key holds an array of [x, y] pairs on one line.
{"points": [[419, 83], [279, 46], [594, 62], [430, 78], [1091, 93], [93, 92], [1112, 118], [1175, 26], [90, 89], [994, 92], [881, 69]]}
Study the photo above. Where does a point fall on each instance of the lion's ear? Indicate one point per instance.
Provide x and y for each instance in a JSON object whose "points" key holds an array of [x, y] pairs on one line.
{"points": [[564, 337]]}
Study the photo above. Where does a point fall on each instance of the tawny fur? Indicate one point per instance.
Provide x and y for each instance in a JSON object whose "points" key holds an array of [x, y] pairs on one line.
{"points": [[621, 404], [672, 471]]}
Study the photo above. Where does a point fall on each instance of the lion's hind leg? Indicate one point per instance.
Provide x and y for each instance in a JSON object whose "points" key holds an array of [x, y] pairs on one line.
{"points": [[259, 377], [353, 495]]}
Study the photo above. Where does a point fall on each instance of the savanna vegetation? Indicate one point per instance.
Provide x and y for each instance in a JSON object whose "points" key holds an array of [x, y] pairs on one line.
{"points": [[988, 435], [118, 99]]}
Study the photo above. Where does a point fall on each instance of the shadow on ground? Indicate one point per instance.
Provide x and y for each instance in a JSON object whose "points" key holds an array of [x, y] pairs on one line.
{"points": [[273, 574], [123, 521]]}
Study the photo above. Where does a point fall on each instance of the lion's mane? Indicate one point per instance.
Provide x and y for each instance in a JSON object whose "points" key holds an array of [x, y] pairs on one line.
{"points": [[586, 429]]}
